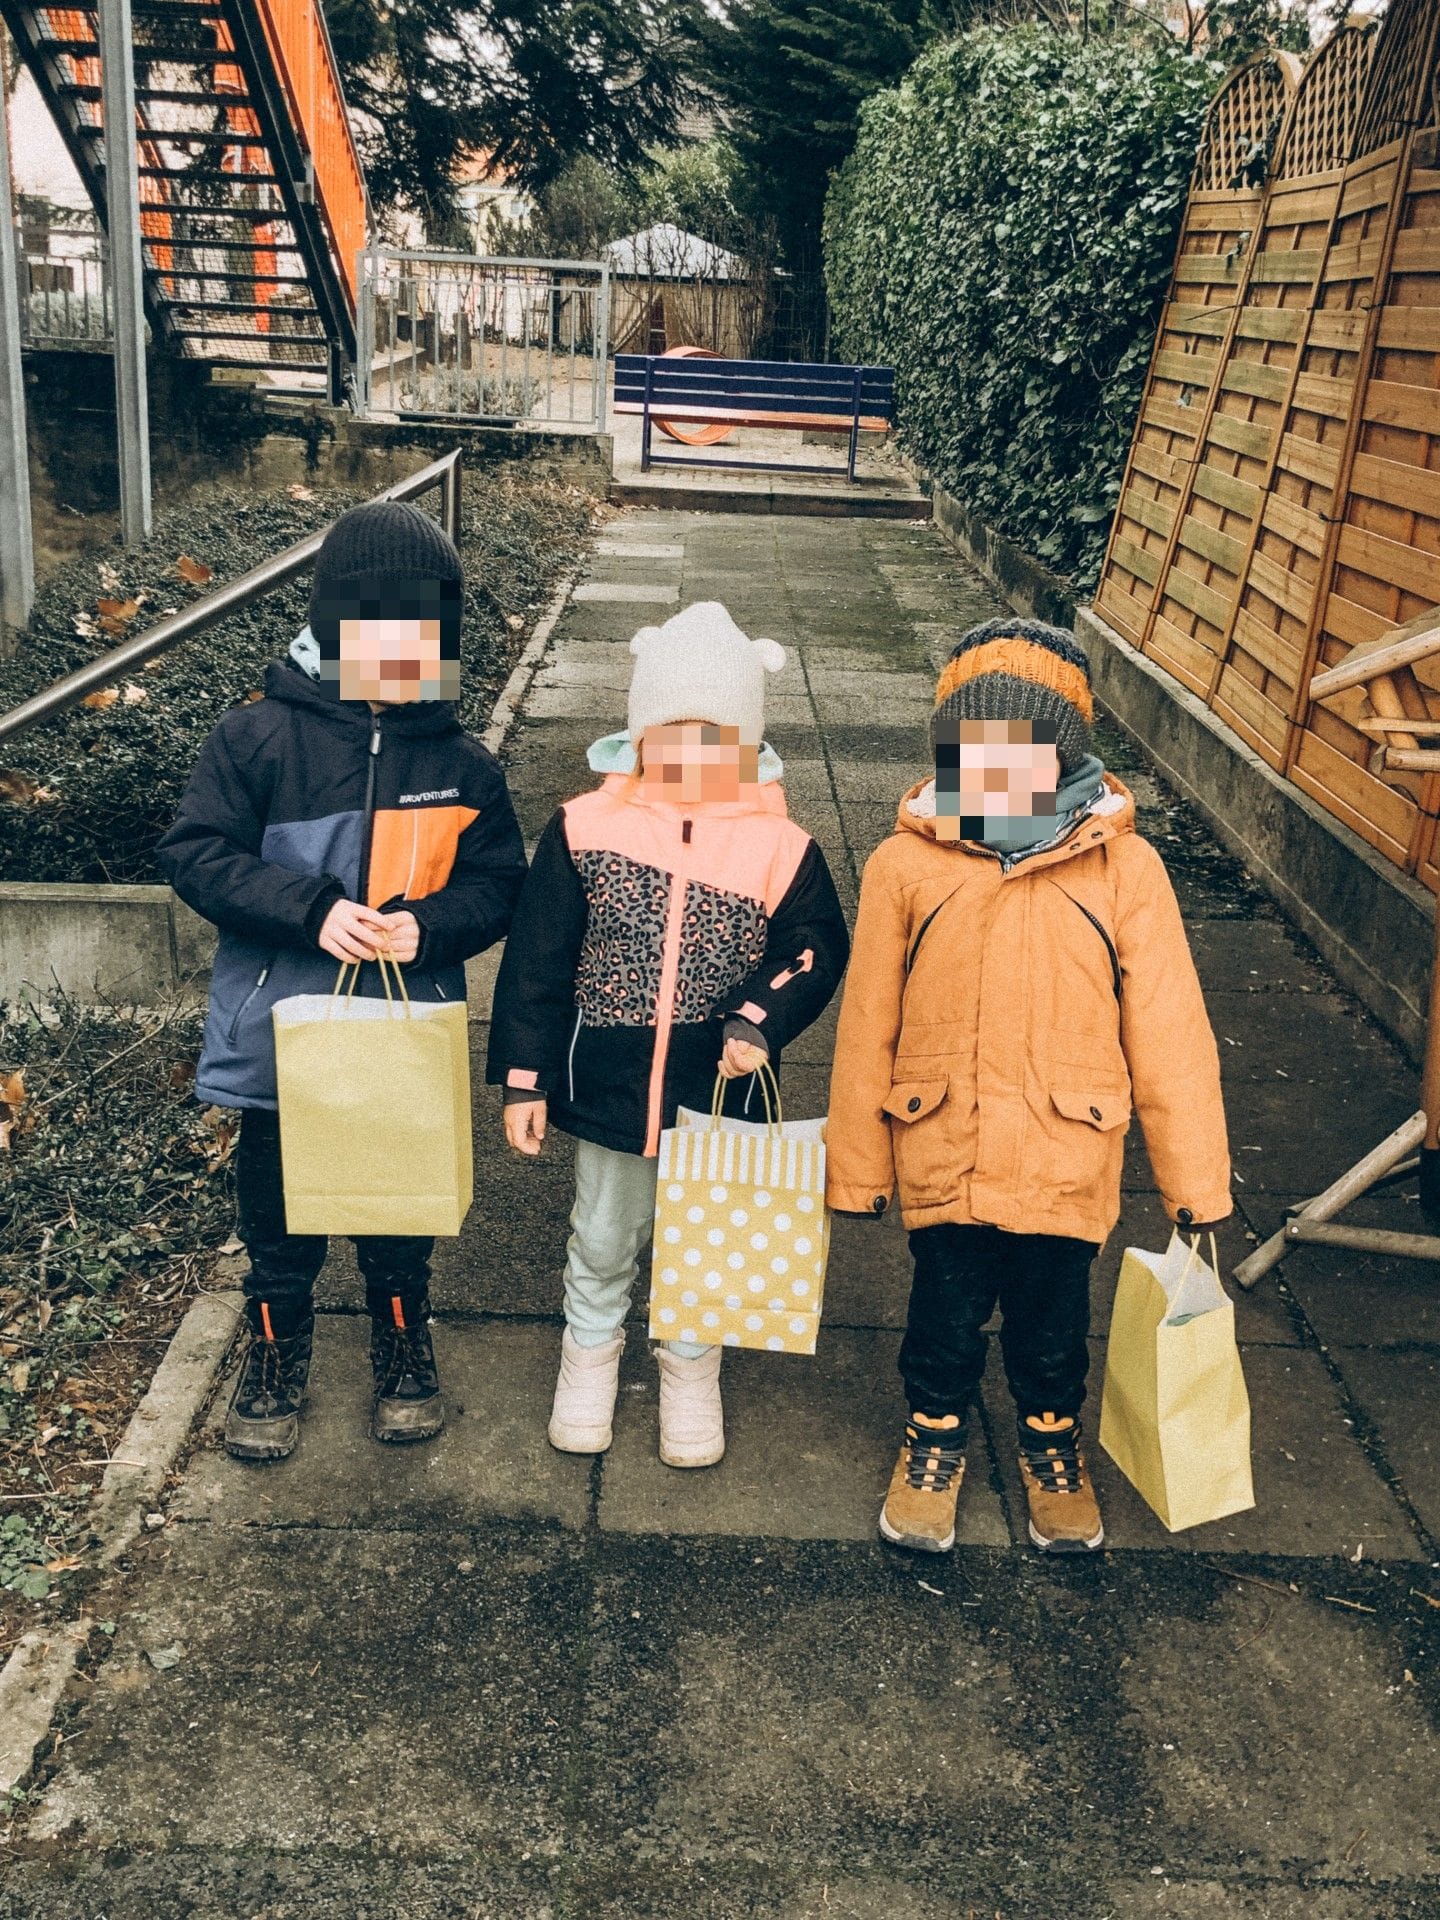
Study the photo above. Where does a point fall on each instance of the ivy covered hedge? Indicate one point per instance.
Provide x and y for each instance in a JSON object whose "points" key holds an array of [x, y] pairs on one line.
{"points": [[1002, 236]]}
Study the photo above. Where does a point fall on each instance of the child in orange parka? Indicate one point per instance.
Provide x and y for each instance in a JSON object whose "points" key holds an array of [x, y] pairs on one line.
{"points": [[1020, 980]]}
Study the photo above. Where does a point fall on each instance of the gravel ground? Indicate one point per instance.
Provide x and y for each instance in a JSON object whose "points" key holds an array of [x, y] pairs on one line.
{"points": [[85, 797]]}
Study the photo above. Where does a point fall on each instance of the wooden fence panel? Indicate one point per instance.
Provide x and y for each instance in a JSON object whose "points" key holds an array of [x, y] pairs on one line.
{"points": [[1299, 320], [1380, 561], [1192, 339]]}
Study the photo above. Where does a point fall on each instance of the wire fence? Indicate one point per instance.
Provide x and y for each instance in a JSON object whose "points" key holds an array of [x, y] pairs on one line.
{"points": [[506, 342], [64, 280]]}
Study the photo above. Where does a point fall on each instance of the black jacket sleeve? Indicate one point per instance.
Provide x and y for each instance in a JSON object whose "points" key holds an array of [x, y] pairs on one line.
{"points": [[805, 954], [534, 1007], [211, 856], [475, 906]]}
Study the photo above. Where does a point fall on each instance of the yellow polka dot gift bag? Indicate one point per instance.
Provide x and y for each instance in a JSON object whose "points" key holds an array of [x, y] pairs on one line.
{"points": [[741, 1232]]}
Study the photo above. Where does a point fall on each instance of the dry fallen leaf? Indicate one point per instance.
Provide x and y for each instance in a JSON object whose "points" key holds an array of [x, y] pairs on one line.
{"points": [[298, 492], [66, 1565], [116, 615], [135, 696], [106, 697], [254, 694], [15, 785], [195, 571], [514, 620], [109, 577], [12, 1088], [181, 1074]]}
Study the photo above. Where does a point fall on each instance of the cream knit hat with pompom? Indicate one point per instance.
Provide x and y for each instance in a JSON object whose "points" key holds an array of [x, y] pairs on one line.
{"points": [[700, 666]]}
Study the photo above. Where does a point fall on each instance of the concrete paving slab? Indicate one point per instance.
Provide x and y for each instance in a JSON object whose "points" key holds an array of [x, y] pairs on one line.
{"points": [[868, 1283], [1255, 956], [600, 663], [1316, 1491], [1358, 1299], [626, 592], [333, 1685], [1318, 1698], [255, 1882], [1163, 1896], [869, 1726], [1399, 1393], [592, 701], [493, 1457], [810, 1443], [627, 548], [881, 782]]}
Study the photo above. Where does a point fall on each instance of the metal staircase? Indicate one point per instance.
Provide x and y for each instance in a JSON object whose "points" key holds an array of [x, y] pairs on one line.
{"points": [[253, 206]]}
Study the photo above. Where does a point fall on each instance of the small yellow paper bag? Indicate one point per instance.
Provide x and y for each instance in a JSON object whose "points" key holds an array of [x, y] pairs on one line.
{"points": [[741, 1231], [1175, 1415], [374, 1100]]}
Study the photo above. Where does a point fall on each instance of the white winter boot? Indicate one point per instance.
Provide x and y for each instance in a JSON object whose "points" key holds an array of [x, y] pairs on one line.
{"points": [[581, 1420], [692, 1420]]}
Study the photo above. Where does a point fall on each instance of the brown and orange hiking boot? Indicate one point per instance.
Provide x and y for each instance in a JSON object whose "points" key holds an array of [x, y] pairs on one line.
{"points": [[407, 1385], [263, 1419], [1064, 1513], [919, 1509]]}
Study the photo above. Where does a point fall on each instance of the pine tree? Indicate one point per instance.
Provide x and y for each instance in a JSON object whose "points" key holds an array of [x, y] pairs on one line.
{"points": [[535, 83], [791, 75]]}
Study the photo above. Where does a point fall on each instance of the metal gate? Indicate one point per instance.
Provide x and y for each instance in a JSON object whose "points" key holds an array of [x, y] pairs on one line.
{"points": [[515, 343]]}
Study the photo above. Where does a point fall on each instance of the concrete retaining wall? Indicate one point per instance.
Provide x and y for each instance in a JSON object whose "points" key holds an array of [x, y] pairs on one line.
{"points": [[214, 427], [1374, 925], [132, 944], [1030, 588]]}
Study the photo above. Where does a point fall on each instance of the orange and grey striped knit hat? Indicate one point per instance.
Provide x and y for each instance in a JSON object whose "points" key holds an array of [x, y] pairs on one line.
{"points": [[1020, 670]]}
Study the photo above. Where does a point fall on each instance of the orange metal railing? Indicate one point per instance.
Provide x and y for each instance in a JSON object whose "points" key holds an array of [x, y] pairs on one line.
{"points": [[295, 30]]}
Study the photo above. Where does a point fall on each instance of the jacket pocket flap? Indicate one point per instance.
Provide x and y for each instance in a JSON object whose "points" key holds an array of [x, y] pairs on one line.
{"points": [[1099, 1110], [913, 1099]]}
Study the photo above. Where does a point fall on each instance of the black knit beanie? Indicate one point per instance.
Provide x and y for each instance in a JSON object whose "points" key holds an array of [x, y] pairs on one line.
{"points": [[386, 561]]}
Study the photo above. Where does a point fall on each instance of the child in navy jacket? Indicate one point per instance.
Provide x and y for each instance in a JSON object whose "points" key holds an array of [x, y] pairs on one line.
{"points": [[344, 814]]}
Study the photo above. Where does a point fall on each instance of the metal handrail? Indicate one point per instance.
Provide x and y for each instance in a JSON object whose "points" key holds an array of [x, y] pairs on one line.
{"points": [[444, 474]]}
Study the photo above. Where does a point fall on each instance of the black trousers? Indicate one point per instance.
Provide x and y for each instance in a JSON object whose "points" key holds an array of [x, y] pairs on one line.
{"points": [[284, 1266], [1042, 1284]]}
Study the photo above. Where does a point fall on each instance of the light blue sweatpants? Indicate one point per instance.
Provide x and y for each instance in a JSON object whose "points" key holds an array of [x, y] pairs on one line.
{"points": [[614, 1212]]}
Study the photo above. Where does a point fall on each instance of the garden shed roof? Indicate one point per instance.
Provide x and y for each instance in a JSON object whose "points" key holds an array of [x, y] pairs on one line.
{"points": [[668, 252]]}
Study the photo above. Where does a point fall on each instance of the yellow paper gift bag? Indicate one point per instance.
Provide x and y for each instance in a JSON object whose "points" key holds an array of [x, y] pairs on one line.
{"points": [[374, 1100], [741, 1232], [1175, 1415]]}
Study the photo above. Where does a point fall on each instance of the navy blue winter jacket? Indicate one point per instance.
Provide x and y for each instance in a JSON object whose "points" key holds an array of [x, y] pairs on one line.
{"points": [[302, 799]]}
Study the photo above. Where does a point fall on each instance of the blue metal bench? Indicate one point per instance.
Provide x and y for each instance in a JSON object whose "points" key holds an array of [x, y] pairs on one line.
{"points": [[752, 393]]}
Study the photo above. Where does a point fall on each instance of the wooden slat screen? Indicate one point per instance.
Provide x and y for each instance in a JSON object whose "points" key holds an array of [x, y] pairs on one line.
{"points": [[1211, 259], [1300, 516]]}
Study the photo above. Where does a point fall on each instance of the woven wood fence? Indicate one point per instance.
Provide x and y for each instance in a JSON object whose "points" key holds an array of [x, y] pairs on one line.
{"points": [[1299, 515]]}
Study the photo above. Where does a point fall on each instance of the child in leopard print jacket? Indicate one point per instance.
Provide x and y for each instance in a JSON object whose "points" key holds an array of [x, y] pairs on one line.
{"points": [[675, 923]]}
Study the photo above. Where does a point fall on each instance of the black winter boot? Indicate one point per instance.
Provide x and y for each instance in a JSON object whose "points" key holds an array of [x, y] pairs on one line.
{"points": [[407, 1387], [263, 1422]]}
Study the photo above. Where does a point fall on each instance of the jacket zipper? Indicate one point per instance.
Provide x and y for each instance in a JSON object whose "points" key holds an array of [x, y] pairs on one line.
{"points": [[579, 1016], [260, 979], [369, 828], [1116, 978], [665, 1001]]}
